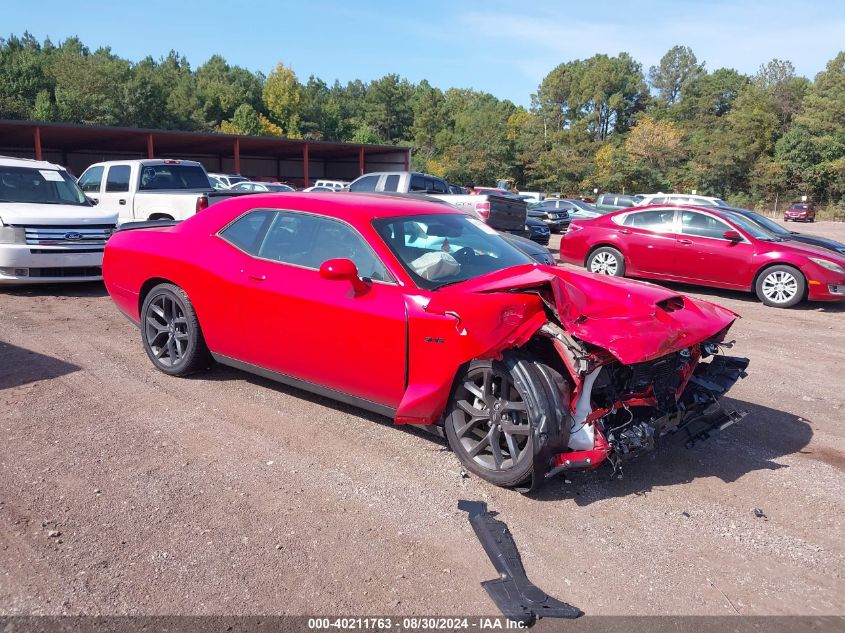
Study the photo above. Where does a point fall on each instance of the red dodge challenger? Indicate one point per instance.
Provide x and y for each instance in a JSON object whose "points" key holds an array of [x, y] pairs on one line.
{"points": [[420, 312]]}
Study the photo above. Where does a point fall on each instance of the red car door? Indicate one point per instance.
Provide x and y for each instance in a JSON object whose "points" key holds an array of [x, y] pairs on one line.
{"points": [[318, 330], [704, 255], [647, 240]]}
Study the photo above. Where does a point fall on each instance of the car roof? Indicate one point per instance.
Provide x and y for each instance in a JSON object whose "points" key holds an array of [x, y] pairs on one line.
{"points": [[350, 206], [720, 211], [12, 161]]}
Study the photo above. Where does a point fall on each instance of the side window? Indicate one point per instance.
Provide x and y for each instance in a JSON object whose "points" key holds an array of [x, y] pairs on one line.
{"points": [[117, 179], [309, 240], [367, 183], [702, 225], [658, 200], [89, 182], [438, 186], [247, 232], [417, 183], [391, 183], [659, 221]]}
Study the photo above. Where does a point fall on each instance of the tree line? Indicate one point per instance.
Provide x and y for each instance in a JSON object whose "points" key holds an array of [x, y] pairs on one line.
{"points": [[598, 123]]}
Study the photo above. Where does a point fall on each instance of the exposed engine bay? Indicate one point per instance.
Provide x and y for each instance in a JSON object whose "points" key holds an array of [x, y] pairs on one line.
{"points": [[619, 411]]}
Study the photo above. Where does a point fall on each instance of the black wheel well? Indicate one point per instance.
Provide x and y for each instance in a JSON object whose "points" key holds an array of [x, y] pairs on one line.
{"points": [[148, 285], [161, 216], [772, 265], [597, 247]]}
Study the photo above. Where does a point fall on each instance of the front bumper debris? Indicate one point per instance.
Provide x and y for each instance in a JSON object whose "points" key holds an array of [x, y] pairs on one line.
{"points": [[515, 596]]}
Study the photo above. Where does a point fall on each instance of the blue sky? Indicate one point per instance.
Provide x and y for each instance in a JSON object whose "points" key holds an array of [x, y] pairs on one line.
{"points": [[505, 48]]}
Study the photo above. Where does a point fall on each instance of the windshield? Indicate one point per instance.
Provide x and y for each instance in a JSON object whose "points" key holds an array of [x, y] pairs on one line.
{"points": [[279, 188], [442, 249], [766, 223], [170, 176], [751, 227], [39, 186]]}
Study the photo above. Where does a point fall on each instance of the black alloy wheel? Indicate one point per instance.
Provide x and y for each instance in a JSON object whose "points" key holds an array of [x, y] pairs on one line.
{"points": [[171, 332]]}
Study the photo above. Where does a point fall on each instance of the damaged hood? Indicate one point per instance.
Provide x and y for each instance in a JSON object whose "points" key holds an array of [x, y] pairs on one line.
{"points": [[634, 321]]}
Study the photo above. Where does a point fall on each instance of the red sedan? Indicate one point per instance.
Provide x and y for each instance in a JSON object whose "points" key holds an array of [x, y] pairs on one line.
{"points": [[800, 212], [708, 247], [425, 314]]}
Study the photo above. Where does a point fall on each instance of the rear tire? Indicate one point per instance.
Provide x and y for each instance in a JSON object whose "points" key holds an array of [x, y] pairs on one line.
{"points": [[780, 286], [501, 414], [170, 332], [606, 261]]}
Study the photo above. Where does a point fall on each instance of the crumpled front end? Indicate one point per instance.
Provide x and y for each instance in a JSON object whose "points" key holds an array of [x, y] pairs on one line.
{"points": [[621, 411], [642, 361]]}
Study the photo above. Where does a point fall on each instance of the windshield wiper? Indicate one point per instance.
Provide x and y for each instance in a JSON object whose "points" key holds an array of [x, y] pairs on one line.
{"points": [[450, 283]]}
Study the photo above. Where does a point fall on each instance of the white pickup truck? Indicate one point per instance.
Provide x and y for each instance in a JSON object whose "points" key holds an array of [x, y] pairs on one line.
{"points": [[502, 212], [151, 189], [49, 231]]}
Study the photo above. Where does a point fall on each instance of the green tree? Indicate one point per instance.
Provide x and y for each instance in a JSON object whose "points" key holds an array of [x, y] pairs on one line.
{"points": [[221, 88], [44, 108], [678, 70], [23, 74], [245, 121], [282, 95], [600, 95], [430, 117], [387, 108], [87, 86], [824, 105]]}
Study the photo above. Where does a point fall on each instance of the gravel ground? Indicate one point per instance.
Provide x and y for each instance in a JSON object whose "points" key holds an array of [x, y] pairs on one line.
{"points": [[124, 491]]}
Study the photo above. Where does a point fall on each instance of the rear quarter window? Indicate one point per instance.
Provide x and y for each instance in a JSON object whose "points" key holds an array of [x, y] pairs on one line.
{"points": [[659, 221]]}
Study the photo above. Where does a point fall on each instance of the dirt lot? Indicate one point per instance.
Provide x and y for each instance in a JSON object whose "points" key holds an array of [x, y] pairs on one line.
{"points": [[125, 491]]}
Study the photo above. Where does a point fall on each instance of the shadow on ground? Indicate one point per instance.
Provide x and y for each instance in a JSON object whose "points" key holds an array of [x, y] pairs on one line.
{"points": [[715, 294], [85, 289], [225, 373], [19, 366], [755, 443]]}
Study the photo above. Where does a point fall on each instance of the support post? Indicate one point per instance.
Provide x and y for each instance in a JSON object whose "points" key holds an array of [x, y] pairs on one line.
{"points": [[238, 156], [360, 161], [305, 181], [37, 142], [407, 159], [150, 148]]}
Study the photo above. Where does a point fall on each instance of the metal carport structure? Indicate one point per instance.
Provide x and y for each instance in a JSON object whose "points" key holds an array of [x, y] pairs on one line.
{"points": [[298, 161]]}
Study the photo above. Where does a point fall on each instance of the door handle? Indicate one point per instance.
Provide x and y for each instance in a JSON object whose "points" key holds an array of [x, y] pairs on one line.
{"points": [[685, 242], [122, 201], [257, 277], [624, 231]]}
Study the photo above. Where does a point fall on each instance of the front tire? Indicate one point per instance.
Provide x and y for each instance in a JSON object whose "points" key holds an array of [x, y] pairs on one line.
{"points": [[780, 286], [606, 261], [501, 415], [170, 332]]}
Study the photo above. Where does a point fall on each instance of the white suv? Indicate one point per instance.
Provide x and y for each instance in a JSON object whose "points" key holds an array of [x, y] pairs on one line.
{"points": [[681, 198], [337, 185], [49, 230]]}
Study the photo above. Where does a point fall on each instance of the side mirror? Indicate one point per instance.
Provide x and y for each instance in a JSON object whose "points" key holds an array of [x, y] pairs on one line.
{"points": [[732, 236], [343, 269], [92, 200]]}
